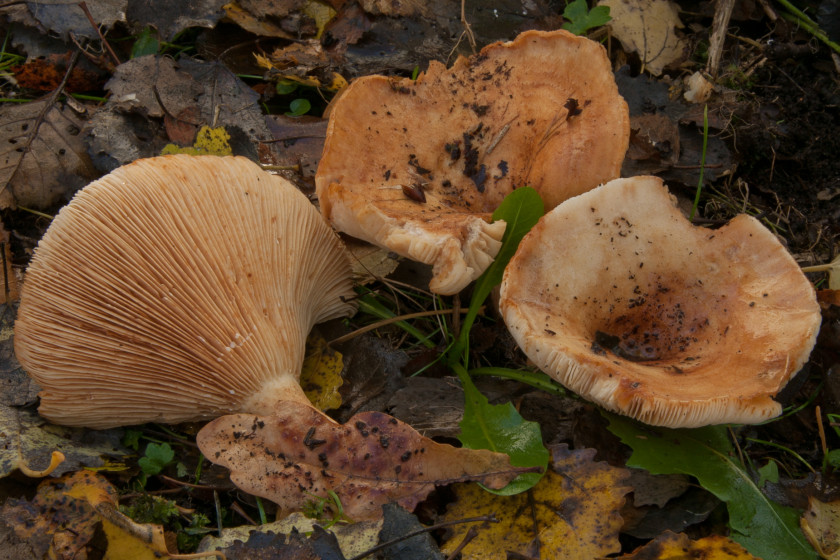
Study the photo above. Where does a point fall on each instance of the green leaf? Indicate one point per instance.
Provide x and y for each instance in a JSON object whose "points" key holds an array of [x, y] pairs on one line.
{"points": [[146, 43], [768, 473], [285, 87], [156, 459], [765, 528], [500, 428], [298, 107], [521, 209], [832, 458], [580, 19]]}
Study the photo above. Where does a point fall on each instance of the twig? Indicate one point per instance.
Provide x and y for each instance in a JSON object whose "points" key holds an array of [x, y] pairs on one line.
{"points": [[488, 518], [723, 12], [467, 27], [105, 43], [471, 534]]}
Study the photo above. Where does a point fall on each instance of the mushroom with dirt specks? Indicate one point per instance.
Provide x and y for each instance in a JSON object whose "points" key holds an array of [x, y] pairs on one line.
{"points": [[418, 166], [177, 288], [647, 315]]}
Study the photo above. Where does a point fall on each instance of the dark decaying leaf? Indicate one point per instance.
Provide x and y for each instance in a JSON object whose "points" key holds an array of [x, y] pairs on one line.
{"points": [[65, 16], [43, 155], [272, 546], [170, 18], [397, 523], [373, 459]]}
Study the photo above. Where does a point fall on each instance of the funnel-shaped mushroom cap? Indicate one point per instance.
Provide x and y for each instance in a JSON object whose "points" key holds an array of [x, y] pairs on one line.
{"points": [[620, 298], [419, 166], [177, 288]]}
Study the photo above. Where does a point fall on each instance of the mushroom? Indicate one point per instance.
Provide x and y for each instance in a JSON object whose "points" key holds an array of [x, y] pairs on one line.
{"points": [[177, 288], [636, 309], [418, 166]]}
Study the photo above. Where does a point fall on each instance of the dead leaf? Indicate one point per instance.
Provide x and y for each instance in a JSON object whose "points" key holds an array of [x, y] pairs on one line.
{"points": [[572, 513], [353, 539], [170, 18], [65, 16], [821, 525], [43, 157], [373, 459], [27, 440], [368, 261], [648, 27], [9, 284], [153, 85], [320, 375], [677, 546], [65, 513], [55, 522]]}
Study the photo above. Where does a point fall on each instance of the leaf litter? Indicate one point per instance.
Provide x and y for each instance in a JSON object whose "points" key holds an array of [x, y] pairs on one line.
{"points": [[672, 132]]}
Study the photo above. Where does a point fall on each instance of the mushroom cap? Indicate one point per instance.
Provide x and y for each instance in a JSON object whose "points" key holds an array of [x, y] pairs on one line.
{"points": [[542, 110], [617, 296], [177, 288]]}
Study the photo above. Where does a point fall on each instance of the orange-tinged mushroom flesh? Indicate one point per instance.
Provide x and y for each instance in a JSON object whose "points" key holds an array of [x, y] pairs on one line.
{"points": [[619, 297], [418, 166]]}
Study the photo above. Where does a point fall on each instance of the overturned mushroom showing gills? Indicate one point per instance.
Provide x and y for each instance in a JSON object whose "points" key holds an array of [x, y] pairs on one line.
{"points": [[177, 288], [418, 166], [620, 298]]}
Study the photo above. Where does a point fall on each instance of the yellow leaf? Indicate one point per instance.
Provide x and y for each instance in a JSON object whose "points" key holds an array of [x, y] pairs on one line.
{"points": [[319, 11], [573, 513], [647, 27], [821, 525], [674, 546], [208, 141], [321, 373]]}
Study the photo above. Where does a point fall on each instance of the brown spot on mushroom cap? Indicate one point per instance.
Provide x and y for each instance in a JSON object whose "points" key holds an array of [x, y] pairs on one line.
{"points": [[542, 110], [177, 288], [671, 324]]}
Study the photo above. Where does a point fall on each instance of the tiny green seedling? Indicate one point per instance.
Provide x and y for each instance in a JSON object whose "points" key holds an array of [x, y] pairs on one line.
{"points": [[580, 19], [327, 511], [158, 456], [298, 107]]}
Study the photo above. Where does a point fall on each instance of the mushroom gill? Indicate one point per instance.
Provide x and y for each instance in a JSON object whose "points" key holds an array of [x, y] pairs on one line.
{"points": [[638, 310], [177, 288]]}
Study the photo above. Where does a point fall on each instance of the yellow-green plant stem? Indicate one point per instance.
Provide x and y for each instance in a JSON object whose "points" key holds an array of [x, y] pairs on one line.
{"points": [[793, 453], [702, 162], [537, 380]]}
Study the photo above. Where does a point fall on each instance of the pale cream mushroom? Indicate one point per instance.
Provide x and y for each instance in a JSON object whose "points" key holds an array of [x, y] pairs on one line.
{"points": [[177, 288], [616, 295], [418, 166]]}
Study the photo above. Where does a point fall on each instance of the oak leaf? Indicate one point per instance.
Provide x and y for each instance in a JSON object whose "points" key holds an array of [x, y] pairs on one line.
{"points": [[572, 513], [299, 453]]}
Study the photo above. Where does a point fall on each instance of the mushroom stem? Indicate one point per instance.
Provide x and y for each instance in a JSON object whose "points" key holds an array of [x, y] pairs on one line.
{"points": [[282, 388]]}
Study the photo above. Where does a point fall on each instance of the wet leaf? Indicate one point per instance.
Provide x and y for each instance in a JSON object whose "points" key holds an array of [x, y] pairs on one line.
{"points": [[55, 521], [43, 158], [573, 513], [501, 428], [821, 525], [65, 513], [677, 546], [170, 18], [648, 27], [373, 459], [65, 17], [353, 539], [320, 376], [764, 527], [27, 440]]}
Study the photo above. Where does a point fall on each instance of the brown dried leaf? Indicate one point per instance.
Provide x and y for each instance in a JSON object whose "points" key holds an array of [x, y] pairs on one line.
{"points": [[648, 27], [371, 460], [43, 156]]}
